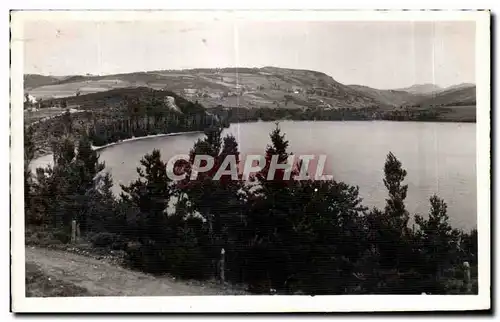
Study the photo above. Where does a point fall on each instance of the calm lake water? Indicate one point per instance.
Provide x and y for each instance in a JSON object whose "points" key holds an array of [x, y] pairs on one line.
{"points": [[439, 157]]}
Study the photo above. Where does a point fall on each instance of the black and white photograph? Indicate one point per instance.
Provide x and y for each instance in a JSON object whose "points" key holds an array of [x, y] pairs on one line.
{"points": [[250, 161]]}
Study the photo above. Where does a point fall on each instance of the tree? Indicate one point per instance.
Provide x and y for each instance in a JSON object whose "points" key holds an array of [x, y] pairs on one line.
{"points": [[388, 229], [395, 207], [218, 201], [213, 198], [269, 214], [85, 169], [29, 154], [64, 151], [88, 160], [29, 145], [64, 192], [278, 149], [438, 239], [468, 244], [104, 212], [67, 122], [167, 242], [150, 193], [325, 235]]}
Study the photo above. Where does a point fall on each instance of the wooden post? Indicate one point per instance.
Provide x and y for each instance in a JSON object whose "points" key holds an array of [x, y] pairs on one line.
{"points": [[467, 280], [78, 234], [73, 231], [222, 265]]}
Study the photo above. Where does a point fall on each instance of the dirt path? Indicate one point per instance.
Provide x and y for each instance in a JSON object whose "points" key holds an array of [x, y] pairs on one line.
{"points": [[101, 278]]}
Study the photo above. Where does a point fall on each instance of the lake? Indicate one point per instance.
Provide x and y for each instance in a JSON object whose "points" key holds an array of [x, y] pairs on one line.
{"points": [[439, 157]]}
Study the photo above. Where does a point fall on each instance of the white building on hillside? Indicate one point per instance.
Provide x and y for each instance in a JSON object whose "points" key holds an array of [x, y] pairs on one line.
{"points": [[189, 92], [28, 98]]}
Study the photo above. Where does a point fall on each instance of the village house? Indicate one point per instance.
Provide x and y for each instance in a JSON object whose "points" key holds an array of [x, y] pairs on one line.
{"points": [[297, 89], [190, 92]]}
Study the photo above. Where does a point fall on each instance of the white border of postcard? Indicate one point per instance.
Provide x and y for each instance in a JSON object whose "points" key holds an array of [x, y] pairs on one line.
{"points": [[351, 303]]}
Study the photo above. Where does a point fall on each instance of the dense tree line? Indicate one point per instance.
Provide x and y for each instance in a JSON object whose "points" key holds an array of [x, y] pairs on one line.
{"points": [[149, 116], [312, 236], [240, 114]]}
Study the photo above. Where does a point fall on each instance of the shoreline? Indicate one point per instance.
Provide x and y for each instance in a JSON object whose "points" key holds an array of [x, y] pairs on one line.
{"points": [[360, 120], [101, 147]]}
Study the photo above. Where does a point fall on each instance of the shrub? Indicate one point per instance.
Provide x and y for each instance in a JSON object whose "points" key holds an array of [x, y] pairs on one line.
{"points": [[41, 237], [108, 240]]}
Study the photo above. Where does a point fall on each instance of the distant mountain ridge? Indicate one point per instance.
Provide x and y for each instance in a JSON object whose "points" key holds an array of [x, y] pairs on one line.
{"points": [[424, 95], [463, 94], [421, 89], [390, 97], [254, 87]]}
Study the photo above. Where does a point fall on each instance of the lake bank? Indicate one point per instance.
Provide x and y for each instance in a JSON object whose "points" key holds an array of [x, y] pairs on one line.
{"points": [[46, 159], [97, 148]]}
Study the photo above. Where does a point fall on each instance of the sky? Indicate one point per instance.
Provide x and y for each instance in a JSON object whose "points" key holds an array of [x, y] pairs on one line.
{"points": [[376, 54]]}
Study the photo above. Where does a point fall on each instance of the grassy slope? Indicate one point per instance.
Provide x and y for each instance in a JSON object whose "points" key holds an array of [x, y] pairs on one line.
{"points": [[454, 96], [251, 88], [393, 98], [34, 80], [267, 86], [421, 89]]}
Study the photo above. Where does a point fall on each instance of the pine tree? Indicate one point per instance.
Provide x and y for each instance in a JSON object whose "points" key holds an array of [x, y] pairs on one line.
{"points": [[67, 122], [439, 240], [150, 193], [388, 229], [104, 214], [64, 152], [88, 160], [83, 174], [214, 140], [29, 154], [395, 207], [29, 145], [270, 214], [218, 201]]}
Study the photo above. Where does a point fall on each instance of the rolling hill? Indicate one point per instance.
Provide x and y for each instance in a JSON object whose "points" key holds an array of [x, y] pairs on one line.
{"points": [[455, 95], [459, 95], [229, 87], [269, 87], [390, 97], [33, 80], [424, 89]]}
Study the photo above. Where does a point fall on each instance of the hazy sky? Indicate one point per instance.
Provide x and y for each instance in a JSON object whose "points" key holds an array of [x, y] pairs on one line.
{"points": [[376, 54]]}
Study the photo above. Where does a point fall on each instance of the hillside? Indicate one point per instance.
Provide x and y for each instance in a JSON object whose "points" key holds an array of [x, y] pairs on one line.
{"points": [[421, 89], [117, 114], [462, 85], [454, 96], [34, 80], [116, 98], [228, 87], [394, 98], [248, 88]]}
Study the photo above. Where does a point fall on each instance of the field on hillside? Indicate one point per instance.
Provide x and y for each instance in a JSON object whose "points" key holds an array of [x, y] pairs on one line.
{"points": [[249, 88], [459, 113], [30, 117]]}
